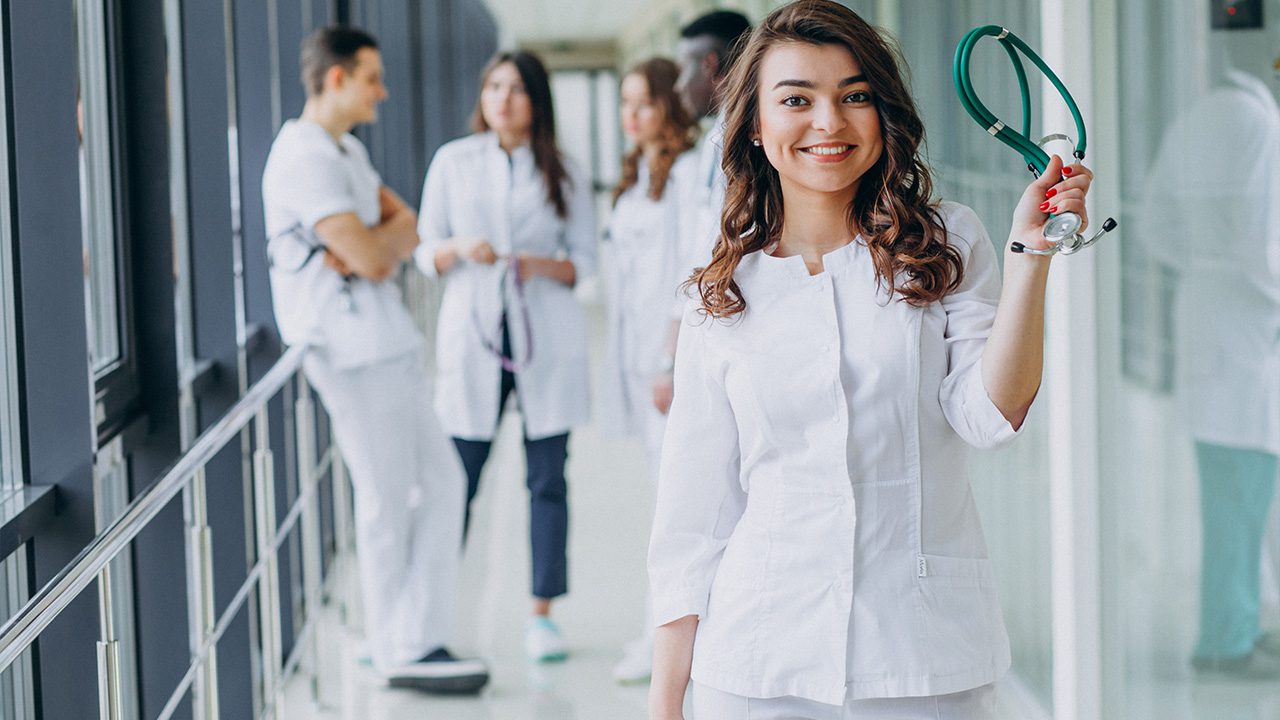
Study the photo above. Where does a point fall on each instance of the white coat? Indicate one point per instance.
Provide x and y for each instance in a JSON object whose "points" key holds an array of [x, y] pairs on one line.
{"points": [[1211, 212], [474, 189], [814, 508], [644, 276], [703, 189], [308, 177]]}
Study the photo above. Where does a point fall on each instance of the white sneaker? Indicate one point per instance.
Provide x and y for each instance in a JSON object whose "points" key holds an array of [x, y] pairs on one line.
{"points": [[542, 641], [637, 663]]}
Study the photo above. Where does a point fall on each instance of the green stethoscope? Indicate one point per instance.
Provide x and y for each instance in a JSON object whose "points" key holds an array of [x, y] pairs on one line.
{"points": [[1062, 230]]}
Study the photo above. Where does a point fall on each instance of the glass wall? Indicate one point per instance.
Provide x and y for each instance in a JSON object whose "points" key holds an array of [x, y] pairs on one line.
{"points": [[15, 682], [96, 195], [1190, 391], [1011, 485]]}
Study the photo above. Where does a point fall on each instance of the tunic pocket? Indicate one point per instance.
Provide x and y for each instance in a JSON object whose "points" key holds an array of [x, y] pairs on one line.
{"points": [[959, 612]]}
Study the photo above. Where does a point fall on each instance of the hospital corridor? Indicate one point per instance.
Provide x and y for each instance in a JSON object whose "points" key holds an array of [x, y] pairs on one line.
{"points": [[639, 359]]}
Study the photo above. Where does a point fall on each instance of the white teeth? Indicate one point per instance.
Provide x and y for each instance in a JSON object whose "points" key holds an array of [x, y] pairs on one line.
{"points": [[830, 150]]}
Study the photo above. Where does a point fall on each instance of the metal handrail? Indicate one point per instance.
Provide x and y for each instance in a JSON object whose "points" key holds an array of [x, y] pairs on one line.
{"points": [[22, 630], [237, 602]]}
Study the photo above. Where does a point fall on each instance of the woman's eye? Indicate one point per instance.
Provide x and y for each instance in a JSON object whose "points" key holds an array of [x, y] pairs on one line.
{"points": [[861, 97], [794, 101]]}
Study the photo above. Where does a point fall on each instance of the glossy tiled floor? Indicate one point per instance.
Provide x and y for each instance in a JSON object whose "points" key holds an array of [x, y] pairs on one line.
{"points": [[601, 613]]}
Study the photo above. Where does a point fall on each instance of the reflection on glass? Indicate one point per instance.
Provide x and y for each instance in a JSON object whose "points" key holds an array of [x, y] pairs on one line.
{"points": [[1219, 228], [1191, 418], [96, 195]]}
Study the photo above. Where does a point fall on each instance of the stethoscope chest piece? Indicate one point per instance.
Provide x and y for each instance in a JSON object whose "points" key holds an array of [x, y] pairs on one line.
{"points": [[1063, 232], [1062, 228]]}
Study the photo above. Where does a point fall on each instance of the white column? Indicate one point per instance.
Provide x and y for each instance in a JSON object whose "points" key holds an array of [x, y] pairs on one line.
{"points": [[1071, 386]]}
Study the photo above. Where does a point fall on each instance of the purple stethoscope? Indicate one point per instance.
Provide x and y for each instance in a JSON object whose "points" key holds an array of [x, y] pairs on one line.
{"points": [[509, 363]]}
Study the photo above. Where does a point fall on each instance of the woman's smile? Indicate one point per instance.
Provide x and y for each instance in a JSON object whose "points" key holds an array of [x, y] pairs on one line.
{"points": [[828, 152]]}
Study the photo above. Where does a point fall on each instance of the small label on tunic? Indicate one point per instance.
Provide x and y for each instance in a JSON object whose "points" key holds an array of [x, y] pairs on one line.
{"points": [[922, 567]]}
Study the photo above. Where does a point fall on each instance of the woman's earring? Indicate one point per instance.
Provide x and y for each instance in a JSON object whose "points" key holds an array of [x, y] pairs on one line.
{"points": [[756, 142]]}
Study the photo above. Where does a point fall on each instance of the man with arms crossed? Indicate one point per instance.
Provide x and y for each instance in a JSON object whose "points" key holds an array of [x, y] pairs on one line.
{"points": [[336, 236]]}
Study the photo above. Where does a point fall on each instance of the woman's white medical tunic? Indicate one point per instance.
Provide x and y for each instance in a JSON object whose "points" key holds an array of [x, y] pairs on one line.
{"points": [[814, 509], [474, 189], [644, 275]]}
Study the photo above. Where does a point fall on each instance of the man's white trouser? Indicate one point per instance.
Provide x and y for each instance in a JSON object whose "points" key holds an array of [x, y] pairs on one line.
{"points": [[410, 492]]}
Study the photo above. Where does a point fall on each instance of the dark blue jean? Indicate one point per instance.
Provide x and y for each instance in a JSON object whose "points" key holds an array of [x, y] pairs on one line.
{"points": [[548, 497]]}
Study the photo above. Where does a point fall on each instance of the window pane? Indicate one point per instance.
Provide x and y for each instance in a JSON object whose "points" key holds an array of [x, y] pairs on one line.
{"points": [[96, 195], [10, 464], [1190, 415]]}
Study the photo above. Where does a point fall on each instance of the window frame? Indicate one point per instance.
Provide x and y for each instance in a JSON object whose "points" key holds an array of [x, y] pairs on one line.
{"points": [[117, 402]]}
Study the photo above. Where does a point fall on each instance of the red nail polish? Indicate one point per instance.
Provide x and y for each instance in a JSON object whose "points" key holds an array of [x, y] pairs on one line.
{"points": [[1051, 193], [1066, 170], [1044, 206], [1053, 210]]}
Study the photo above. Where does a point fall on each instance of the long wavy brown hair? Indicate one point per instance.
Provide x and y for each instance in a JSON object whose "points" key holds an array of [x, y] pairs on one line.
{"points": [[542, 136], [893, 209], [678, 129]]}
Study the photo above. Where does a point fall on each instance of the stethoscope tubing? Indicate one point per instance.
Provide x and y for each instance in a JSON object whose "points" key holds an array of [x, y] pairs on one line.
{"points": [[1037, 159], [509, 363]]}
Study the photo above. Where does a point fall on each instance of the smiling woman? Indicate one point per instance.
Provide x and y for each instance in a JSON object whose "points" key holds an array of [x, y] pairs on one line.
{"points": [[816, 550], [803, 95]]}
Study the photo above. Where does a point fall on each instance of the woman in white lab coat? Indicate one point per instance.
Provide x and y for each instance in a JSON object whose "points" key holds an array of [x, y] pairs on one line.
{"points": [[507, 222], [849, 340], [644, 276]]}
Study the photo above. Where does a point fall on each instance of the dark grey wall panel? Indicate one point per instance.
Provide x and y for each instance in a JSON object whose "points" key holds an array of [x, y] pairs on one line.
{"points": [[255, 131], [159, 563], [51, 327], [291, 32], [213, 291]]}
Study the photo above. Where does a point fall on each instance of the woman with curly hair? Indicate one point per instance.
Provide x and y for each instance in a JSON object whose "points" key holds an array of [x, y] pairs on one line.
{"points": [[816, 550], [645, 276]]}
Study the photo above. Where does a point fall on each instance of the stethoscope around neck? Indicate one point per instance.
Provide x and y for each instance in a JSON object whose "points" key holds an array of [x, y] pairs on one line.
{"points": [[1063, 229]]}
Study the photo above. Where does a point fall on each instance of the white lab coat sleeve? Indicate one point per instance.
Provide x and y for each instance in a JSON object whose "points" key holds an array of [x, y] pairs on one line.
{"points": [[971, 311], [580, 227], [433, 214], [700, 498]]}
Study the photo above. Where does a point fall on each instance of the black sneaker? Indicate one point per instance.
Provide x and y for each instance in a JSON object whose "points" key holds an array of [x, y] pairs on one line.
{"points": [[440, 672]]}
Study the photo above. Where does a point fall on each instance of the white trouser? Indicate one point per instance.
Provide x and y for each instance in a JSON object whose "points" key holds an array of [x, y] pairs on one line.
{"points": [[712, 704], [410, 492]]}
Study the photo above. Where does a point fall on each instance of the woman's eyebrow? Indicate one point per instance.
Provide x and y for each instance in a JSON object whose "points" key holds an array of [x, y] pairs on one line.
{"points": [[808, 85]]}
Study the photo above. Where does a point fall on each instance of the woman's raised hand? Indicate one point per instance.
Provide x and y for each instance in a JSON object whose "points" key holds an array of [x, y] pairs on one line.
{"points": [[1059, 190]]}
